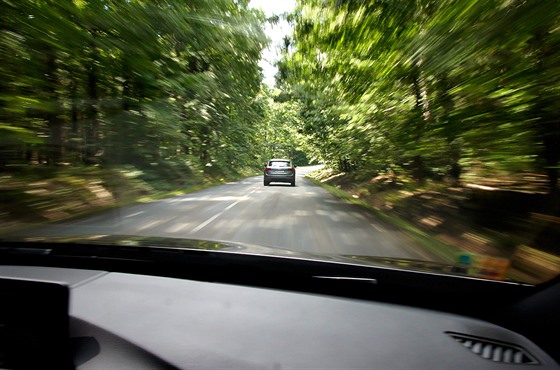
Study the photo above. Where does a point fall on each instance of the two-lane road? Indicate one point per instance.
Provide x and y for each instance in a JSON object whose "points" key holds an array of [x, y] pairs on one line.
{"points": [[303, 218]]}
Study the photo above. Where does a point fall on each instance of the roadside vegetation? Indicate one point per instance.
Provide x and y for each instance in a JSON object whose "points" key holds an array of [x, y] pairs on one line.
{"points": [[106, 102], [448, 221]]}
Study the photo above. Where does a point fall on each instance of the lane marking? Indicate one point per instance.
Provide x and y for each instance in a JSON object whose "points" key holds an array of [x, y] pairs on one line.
{"points": [[377, 228], [134, 214], [205, 223]]}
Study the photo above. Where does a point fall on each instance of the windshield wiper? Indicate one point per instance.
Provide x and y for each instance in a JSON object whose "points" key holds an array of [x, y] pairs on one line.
{"points": [[349, 279]]}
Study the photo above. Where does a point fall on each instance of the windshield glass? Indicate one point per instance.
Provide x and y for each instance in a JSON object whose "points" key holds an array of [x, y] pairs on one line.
{"points": [[421, 130]]}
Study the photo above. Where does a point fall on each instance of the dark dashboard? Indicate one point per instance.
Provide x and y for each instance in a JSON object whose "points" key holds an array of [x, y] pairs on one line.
{"points": [[210, 316]]}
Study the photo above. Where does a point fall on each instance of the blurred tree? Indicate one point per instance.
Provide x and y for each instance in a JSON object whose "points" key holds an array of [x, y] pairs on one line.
{"points": [[154, 84], [433, 88]]}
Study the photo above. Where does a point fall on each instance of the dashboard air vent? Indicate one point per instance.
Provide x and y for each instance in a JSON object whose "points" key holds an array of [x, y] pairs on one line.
{"points": [[495, 350]]}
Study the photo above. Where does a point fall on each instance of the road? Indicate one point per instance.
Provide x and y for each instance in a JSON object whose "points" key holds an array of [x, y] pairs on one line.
{"points": [[304, 218]]}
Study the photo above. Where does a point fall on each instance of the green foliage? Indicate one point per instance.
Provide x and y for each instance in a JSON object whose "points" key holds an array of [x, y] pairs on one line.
{"points": [[430, 87], [162, 85], [280, 135]]}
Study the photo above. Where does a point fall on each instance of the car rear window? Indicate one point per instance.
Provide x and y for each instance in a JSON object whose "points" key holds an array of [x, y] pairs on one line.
{"points": [[279, 164]]}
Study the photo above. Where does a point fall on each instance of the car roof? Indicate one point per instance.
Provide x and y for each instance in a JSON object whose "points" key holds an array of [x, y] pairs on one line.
{"points": [[279, 159]]}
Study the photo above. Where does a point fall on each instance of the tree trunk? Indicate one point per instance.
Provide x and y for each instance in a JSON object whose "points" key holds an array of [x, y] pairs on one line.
{"points": [[91, 112], [55, 148], [418, 166], [449, 130]]}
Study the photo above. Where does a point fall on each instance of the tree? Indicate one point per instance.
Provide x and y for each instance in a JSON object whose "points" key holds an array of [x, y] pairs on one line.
{"points": [[155, 84], [432, 88]]}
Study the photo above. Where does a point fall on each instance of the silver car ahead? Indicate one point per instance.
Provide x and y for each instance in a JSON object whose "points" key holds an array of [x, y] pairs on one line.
{"points": [[280, 170]]}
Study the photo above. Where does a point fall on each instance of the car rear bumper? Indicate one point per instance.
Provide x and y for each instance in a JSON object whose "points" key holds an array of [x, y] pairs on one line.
{"points": [[279, 178]]}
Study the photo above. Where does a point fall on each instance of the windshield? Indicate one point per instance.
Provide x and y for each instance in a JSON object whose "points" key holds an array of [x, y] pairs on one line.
{"points": [[421, 130]]}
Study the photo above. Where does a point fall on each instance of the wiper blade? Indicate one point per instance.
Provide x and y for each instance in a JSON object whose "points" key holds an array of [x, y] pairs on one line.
{"points": [[25, 251], [349, 279]]}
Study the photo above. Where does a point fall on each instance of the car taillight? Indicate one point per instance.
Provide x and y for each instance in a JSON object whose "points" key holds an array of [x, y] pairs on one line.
{"points": [[267, 168]]}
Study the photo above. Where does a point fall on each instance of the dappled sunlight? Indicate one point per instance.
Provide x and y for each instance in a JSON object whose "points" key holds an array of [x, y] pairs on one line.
{"points": [[527, 260], [431, 221], [99, 191], [208, 198]]}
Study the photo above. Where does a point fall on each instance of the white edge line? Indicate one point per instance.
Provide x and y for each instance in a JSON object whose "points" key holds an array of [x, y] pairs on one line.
{"points": [[205, 223], [377, 228]]}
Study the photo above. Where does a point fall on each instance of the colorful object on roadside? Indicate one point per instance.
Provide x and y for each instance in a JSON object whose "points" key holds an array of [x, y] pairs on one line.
{"points": [[479, 265]]}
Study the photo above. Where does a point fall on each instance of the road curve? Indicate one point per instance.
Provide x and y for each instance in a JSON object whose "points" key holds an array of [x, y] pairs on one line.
{"points": [[304, 218]]}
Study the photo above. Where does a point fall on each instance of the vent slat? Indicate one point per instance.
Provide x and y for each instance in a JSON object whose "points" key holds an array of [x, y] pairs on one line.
{"points": [[487, 351], [494, 350], [497, 354], [518, 358], [508, 355], [477, 348]]}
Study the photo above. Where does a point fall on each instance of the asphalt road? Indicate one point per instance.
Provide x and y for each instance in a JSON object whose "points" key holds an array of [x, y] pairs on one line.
{"points": [[304, 218]]}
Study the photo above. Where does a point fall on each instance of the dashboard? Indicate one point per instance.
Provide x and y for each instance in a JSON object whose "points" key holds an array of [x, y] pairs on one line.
{"points": [[98, 319]]}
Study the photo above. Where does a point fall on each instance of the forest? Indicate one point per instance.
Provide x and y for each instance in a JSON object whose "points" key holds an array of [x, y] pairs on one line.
{"points": [[168, 87], [411, 105], [431, 89]]}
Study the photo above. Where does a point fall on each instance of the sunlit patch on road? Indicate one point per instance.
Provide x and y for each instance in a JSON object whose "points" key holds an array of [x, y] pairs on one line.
{"points": [[180, 226], [210, 199], [154, 223]]}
